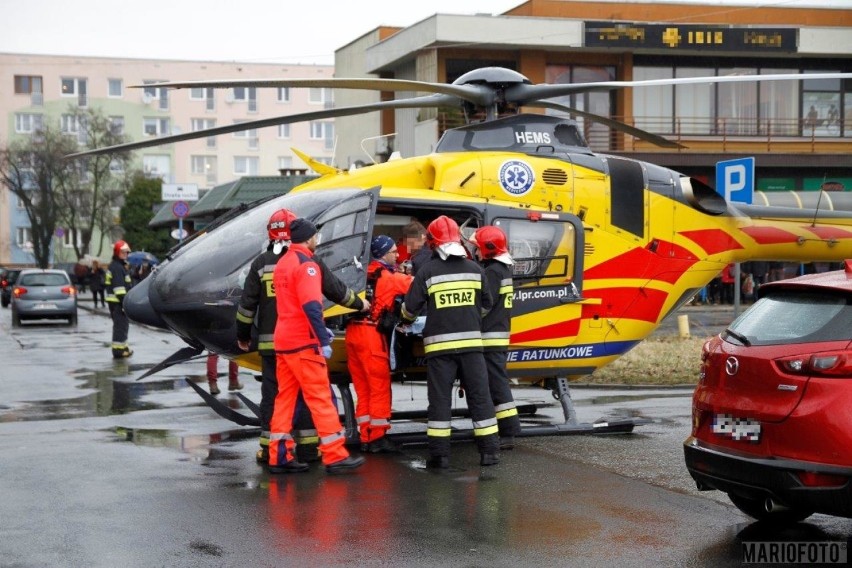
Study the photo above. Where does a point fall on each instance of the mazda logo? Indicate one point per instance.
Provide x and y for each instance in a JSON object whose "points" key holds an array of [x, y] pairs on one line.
{"points": [[732, 366]]}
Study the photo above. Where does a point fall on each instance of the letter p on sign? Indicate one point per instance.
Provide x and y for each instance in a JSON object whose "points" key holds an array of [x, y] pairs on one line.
{"points": [[735, 180]]}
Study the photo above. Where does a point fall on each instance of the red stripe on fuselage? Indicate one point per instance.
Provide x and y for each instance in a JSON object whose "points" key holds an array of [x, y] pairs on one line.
{"points": [[770, 235], [830, 232], [568, 328], [644, 304], [667, 263], [713, 241]]}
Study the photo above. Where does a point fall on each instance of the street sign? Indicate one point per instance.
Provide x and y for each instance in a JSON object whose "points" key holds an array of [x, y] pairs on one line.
{"points": [[180, 209], [179, 234], [180, 192], [735, 180]]}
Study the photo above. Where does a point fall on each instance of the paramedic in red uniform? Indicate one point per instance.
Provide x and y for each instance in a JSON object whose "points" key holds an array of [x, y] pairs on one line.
{"points": [[367, 348], [450, 287], [302, 344]]}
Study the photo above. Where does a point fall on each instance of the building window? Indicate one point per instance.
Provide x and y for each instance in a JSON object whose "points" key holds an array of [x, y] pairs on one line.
{"points": [[116, 125], [27, 84], [71, 238], [320, 95], [74, 125], [203, 165], [157, 166], [285, 162], [203, 94], [204, 124], [155, 126], [151, 94], [116, 166], [821, 106], [284, 94], [250, 135], [115, 88], [246, 165], [27, 123], [23, 236], [246, 94], [323, 131], [284, 131], [75, 87]]}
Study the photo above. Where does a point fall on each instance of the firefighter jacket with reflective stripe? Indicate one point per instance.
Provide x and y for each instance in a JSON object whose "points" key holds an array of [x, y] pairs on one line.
{"points": [[257, 304], [497, 323], [298, 283], [117, 281], [451, 291]]}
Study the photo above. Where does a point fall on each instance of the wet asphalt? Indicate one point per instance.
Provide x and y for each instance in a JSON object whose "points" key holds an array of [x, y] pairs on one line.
{"points": [[98, 469]]}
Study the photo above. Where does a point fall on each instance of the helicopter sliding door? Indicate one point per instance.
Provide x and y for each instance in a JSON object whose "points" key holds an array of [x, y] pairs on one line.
{"points": [[547, 304], [345, 232]]}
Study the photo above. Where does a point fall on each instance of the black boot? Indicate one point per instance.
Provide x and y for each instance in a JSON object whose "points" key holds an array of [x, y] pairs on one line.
{"points": [[291, 466], [489, 459], [345, 465], [438, 462]]}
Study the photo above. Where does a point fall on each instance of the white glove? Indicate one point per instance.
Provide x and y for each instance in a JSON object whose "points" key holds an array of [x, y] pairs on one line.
{"points": [[330, 333], [326, 351]]}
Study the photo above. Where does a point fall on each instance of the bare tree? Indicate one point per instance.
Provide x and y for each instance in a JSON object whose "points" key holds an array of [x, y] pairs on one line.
{"points": [[77, 195], [102, 180], [34, 171]]}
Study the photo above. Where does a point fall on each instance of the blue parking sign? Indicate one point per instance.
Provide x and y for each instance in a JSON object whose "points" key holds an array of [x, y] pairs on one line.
{"points": [[735, 180]]}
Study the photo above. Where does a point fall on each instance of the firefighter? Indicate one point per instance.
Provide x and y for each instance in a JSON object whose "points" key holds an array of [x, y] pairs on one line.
{"points": [[117, 283], [257, 310], [302, 345], [367, 347], [450, 287], [493, 252]]}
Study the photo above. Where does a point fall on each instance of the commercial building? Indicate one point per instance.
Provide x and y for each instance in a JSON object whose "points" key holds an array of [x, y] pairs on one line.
{"points": [[800, 133]]}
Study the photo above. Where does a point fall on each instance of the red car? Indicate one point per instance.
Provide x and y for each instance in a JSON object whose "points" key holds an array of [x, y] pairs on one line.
{"points": [[772, 413]]}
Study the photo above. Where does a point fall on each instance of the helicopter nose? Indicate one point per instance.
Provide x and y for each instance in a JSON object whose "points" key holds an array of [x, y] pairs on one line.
{"points": [[137, 305]]}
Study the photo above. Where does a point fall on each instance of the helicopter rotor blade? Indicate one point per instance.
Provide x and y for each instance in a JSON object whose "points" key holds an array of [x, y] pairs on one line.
{"points": [[476, 94], [526, 93], [614, 124], [415, 102]]}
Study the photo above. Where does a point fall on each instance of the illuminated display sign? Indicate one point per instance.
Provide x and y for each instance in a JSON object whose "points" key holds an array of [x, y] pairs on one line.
{"points": [[692, 36]]}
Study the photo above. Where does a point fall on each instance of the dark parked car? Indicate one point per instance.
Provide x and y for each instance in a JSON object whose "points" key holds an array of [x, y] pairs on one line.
{"points": [[43, 294], [7, 278], [772, 413]]}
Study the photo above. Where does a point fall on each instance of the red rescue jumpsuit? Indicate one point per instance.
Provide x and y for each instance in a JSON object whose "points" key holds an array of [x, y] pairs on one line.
{"points": [[368, 357], [299, 338]]}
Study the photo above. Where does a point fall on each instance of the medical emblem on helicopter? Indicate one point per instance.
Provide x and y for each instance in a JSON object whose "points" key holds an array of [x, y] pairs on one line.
{"points": [[516, 177]]}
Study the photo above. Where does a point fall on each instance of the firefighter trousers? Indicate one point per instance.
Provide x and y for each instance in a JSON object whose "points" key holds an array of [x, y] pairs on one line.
{"points": [[369, 367], [120, 328], [501, 394], [305, 370], [441, 371]]}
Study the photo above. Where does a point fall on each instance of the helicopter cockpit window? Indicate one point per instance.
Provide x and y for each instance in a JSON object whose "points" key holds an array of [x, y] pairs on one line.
{"points": [[342, 242], [542, 250]]}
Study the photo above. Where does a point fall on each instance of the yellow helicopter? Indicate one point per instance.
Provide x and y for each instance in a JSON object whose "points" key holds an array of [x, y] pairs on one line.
{"points": [[605, 247]]}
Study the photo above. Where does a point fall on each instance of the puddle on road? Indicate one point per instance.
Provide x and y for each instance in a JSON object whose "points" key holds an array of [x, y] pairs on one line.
{"points": [[110, 396], [198, 447]]}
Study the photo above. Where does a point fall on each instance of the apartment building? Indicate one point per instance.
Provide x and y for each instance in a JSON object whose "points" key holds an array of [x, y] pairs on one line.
{"points": [[35, 89]]}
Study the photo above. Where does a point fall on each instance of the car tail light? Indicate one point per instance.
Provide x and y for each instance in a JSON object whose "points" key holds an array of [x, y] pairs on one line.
{"points": [[19, 291], [69, 290], [813, 479], [4, 283], [828, 364]]}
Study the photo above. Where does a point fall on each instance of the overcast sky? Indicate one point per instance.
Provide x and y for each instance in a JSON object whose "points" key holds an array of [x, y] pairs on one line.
{"points": [[261, 31]]}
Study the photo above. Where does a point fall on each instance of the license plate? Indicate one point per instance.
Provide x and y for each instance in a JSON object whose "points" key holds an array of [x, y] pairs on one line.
{"points": [[736, 428], [44, 306]]}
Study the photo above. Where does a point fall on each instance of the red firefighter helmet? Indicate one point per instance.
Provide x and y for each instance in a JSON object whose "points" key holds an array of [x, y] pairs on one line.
{"points": [[120, 246], [490, 240], [441, 231], [279, 225]]}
